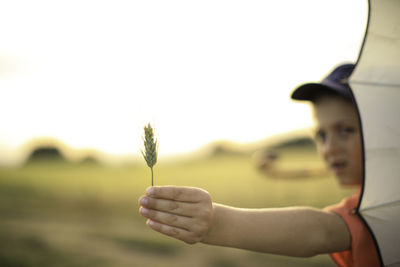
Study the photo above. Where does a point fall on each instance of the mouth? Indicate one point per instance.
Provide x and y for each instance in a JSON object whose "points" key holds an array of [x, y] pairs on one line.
{"points": [[338, 166]]}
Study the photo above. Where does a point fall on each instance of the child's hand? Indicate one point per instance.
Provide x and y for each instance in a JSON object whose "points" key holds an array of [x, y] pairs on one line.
{"points": [[184, 213]]}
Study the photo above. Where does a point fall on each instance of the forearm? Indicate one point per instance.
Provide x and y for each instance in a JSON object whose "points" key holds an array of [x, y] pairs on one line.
{"points": [[285, 231]]}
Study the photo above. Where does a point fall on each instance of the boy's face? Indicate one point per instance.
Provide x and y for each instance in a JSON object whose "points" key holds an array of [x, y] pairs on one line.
{"points": [[339, 139]]}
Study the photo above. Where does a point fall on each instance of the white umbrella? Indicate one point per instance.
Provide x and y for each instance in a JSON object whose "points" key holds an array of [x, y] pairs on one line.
{"points": [[376, 86]]}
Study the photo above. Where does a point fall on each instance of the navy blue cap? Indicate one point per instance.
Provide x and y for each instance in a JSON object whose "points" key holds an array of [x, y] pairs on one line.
{"points": [[337, 82]]}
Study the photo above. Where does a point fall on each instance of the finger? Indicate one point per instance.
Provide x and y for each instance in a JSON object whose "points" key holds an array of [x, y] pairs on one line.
{"points": [[170, 206], [167, 218], [171, 231], [179, 193]]}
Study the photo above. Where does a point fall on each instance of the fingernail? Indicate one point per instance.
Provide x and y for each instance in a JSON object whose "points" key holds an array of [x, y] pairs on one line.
{"points": [[144, 210], [150, 222], [150, 191], [144, 201]]}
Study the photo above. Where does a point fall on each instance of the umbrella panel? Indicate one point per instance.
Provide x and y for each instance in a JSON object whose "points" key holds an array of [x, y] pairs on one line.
{"points": [[376, 86]]}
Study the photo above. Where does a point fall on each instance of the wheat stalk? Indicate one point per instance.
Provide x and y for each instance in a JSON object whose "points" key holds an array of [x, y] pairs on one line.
{"points": [[151, 149]]}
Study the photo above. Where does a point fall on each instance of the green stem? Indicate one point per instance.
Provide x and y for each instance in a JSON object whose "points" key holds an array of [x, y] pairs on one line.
{"points": [[152, 184]]}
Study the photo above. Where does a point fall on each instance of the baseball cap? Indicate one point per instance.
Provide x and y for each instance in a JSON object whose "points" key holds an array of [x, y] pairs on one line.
{"points": [[337, 82]]}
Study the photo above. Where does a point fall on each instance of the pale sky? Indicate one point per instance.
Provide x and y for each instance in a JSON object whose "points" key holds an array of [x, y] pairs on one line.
{"points": [[92, 73]]}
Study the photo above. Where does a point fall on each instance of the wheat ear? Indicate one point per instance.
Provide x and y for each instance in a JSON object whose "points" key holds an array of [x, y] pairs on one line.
{"points": [[151, 149]]}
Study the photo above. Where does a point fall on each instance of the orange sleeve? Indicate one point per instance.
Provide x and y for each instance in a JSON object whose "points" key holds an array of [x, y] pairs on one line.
{"points": [[363, 252]]}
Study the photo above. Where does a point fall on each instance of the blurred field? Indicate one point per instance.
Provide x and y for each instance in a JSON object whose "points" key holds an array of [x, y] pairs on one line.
{"points": [[64, 214]]}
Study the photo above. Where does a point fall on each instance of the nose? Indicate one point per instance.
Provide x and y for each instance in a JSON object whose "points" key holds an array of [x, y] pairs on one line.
{"points": [[331, 146]]}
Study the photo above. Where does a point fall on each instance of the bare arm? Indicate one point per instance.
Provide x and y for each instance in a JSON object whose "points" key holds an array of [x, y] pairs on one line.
{"points": [[188, 214], [297, 231]]}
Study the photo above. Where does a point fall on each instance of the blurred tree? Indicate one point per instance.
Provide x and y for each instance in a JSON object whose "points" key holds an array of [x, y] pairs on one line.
{"points": [[46, 153]]}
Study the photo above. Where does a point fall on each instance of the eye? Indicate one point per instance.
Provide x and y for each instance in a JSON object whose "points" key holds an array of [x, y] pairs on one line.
{"points": [[345, 130], [320, 136]]}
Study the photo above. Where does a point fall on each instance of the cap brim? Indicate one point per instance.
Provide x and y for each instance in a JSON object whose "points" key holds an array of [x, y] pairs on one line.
{"points": [[308, 91]]}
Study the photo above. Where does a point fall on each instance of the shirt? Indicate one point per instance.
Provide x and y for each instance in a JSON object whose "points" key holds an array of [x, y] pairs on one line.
{"points": [[363, 252]]}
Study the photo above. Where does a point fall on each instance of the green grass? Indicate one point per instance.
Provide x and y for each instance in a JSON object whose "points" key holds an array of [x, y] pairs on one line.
{"points": [[63, 214], [158, 246]]}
